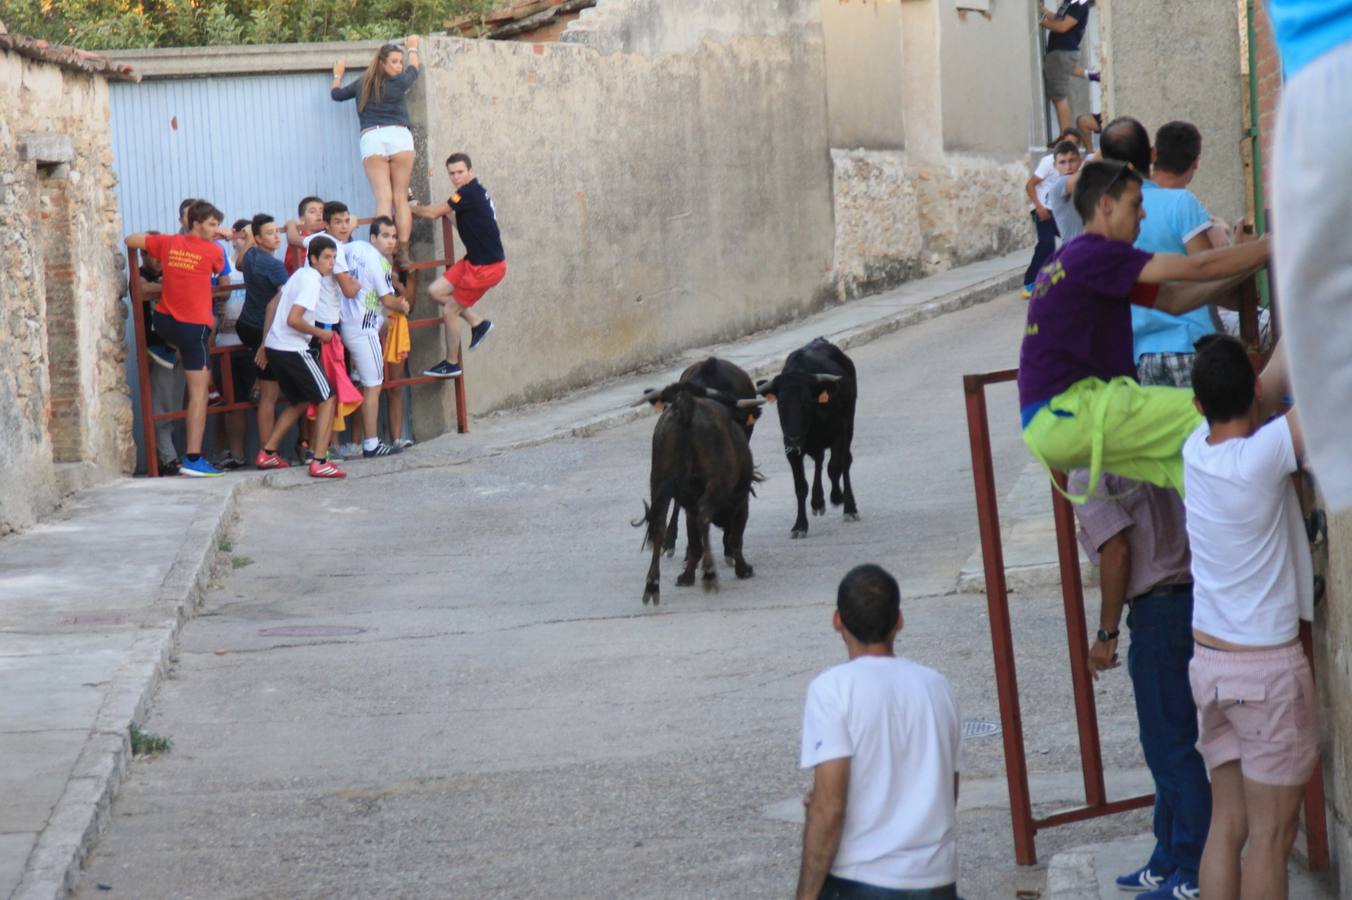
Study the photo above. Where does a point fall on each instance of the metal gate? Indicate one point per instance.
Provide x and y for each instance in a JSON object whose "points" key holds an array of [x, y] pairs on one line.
{"points": [[247, 143]]}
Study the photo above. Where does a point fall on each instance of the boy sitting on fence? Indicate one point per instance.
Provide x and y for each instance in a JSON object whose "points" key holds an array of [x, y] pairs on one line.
{"points": [[1080, 404]]}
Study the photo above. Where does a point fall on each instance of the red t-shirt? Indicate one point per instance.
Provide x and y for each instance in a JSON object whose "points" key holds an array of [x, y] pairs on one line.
{"points": [[294, 258], [188, 263]]}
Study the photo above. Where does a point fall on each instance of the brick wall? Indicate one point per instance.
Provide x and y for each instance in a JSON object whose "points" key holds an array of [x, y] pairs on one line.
{"points": [[1269, 91], [65, 412], [65, 399]]}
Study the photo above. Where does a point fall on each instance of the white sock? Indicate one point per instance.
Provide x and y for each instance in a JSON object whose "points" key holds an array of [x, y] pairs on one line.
{"points": [[370, 443]]}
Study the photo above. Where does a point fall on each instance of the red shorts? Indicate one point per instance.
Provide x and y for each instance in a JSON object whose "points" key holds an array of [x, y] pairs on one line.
{"points": [[471, 282]]}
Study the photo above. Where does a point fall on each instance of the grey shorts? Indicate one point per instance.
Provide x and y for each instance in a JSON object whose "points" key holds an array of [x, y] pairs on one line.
{"points": [[1056, 69]]}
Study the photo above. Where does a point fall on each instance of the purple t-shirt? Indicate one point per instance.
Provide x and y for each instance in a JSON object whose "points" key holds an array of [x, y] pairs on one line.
{"points": [[1079, 318]]}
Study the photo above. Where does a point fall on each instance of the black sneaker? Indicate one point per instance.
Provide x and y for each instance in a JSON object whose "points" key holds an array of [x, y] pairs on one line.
{"points": [[228, 463], [380, 450], [479, 332], [443, 369], [169, 467]]}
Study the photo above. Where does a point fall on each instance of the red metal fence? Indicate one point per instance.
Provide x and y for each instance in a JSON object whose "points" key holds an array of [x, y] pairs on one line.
{"points": [[142, 293], [1025, 824]]}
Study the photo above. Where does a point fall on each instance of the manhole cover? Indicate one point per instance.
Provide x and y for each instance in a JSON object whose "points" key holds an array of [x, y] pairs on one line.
{"points": [[975, 728], [315, 631]]}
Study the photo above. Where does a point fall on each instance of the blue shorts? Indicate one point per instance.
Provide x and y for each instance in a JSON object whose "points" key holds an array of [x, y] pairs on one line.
{"points": [[189, 340]]}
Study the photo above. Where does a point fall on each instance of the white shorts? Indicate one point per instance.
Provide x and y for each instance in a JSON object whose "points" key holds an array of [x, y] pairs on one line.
{"points": [[386, 141], [368, 359], [1311, 196]]}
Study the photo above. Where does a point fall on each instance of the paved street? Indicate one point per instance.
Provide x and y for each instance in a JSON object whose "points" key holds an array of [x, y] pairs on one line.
{"points": [[442, 682]]}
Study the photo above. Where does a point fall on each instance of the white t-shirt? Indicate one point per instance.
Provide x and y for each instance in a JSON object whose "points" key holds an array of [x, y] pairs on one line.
{"points": [[372, 271], [1253, 580], [1046, 168], [301, 289], [227, 334], [898, 722], [330, 296]]}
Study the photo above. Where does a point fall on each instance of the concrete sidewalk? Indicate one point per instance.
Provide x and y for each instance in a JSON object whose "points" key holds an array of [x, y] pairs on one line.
{"points": [[1087, 873], [93, 600]]}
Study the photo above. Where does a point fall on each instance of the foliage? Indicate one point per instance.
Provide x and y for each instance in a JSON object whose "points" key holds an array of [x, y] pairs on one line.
{"points": [[123, 24], [146, 743]]}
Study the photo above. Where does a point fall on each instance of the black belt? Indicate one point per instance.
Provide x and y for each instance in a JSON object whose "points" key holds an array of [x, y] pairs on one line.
{"points": [[1166, 590]]}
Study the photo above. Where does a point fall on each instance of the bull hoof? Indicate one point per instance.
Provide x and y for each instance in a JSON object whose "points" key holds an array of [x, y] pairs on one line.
{"points": [[670, 551], [819, 510], [852, 517], [652, 594], [745, 571], [798, 533], [685, 579], [837, 498], [729, 559], [710, 581]]}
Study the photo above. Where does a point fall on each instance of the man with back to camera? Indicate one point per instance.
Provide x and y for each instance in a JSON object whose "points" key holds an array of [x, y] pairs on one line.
{"points": [[881, 734], [483, 266]]}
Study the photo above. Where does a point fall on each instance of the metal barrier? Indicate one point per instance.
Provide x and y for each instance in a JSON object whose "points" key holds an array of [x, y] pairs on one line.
{"points": [[1025, 825], [142, 293]]}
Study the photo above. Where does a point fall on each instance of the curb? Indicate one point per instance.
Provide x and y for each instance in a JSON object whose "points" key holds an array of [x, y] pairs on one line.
{"points": [[973, 295], [55, 864], [964, 298], [1071, 875]]}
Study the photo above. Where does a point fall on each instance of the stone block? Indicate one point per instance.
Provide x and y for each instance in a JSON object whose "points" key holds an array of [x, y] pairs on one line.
{"points": [[46, 148]]}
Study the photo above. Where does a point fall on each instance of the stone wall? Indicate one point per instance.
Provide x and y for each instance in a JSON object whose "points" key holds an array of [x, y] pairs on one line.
{"points": [[65, 418], [660, 26], [865, 96], [1201, 84], [897, 219], [649, 202], [990, 74], [1333, 672]]}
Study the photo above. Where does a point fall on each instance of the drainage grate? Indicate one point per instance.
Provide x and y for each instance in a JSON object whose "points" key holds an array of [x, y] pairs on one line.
{"points": [[314, 631], [975, 728]]}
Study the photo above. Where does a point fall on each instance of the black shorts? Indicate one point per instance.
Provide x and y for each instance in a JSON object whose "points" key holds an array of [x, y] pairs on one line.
{"points": [[243, 373], [300, 375], [252, 337], [189, 340]]}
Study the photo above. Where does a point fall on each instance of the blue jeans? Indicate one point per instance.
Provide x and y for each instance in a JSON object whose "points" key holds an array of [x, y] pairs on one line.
{"points": [[844, 889], [1046, 244], [1161, 648]]}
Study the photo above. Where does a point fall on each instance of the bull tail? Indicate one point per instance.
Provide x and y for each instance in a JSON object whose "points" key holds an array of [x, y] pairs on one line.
{"points": [[644, 522], [664, 493], [756, 478]]}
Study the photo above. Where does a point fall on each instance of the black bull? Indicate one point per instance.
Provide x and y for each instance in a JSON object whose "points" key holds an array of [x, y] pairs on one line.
{"points": [[729, 379], [815, 395], [701, 461]]}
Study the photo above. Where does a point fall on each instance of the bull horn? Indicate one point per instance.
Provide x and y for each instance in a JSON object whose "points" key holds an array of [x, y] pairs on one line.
{"points": [[649, 396], [751, 403], [823, 378]]}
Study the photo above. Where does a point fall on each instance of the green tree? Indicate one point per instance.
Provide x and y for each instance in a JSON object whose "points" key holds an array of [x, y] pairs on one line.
{"points": [[125, 24]]}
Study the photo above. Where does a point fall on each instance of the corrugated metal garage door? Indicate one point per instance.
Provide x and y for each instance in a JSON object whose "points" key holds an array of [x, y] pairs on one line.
{"points": [[247, 143]]}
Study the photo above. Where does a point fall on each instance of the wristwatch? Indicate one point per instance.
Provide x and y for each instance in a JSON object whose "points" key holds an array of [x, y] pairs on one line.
{"points": [[1106, 636]]}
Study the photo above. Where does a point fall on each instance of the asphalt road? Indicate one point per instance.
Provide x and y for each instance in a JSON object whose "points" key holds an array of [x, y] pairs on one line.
{"points": [[442, 683]]}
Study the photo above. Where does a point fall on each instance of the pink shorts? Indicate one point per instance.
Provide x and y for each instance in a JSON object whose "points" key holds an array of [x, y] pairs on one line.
{"points": [[471, 282], [1257, 707]]}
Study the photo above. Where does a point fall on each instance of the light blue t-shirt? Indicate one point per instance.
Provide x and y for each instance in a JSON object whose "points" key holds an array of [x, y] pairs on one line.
{"points": [[1307, 29], [1173, 216]]}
